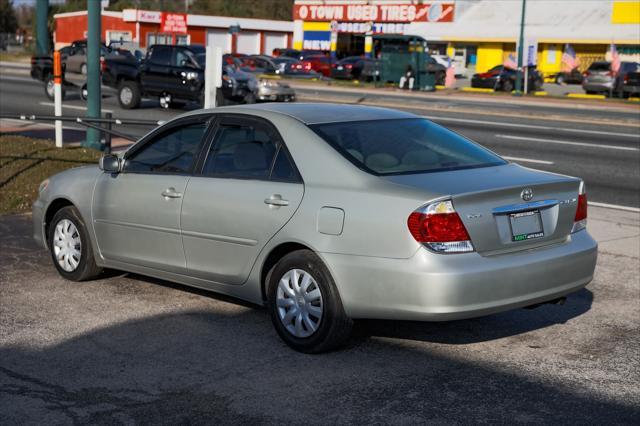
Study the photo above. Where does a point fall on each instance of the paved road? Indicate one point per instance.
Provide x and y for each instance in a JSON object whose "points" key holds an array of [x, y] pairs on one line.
{"points": [[132, 350], [558, 139]]}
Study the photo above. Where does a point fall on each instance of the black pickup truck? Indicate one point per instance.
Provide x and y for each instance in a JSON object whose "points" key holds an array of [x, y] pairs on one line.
{"points": [[174, 75]]}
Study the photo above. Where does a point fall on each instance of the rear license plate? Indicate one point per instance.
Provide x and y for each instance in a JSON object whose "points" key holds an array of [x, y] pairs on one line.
{"points": [[340, 68], [526, 225]]}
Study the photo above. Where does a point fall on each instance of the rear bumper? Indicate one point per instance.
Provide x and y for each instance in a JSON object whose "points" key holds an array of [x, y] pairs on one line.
{"points": [[485, 83], [597, 87], [437, 287]]}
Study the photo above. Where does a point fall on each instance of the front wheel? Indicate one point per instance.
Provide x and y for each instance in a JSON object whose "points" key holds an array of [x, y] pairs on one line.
{"points": [[304, 304], [250, 98], [507, 86], [70, 246]]}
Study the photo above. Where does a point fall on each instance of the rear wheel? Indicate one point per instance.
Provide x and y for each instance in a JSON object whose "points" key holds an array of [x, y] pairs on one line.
{"points": [[250, 98], [560, 79], [507, 86], [70, 246], [129, 94], [304, 304], [49, 88]]}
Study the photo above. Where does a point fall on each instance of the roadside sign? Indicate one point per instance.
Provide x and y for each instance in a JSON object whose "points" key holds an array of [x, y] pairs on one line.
{"points": [[531, 52], [173, 23]]}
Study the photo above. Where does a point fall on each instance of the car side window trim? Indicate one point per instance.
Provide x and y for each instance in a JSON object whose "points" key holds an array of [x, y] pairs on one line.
{"points": [[242, 119], [206, 119]]}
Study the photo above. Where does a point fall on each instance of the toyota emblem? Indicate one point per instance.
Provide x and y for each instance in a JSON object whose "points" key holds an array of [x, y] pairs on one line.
{"points": [[527, 194]]}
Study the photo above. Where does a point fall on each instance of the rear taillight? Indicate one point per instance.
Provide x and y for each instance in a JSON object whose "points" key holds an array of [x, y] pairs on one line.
{"points": [[103, 64], [580, 220], [307, 66], [348, 66], [439, 228]]}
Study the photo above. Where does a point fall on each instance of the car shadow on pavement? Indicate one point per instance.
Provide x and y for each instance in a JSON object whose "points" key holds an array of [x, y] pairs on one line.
{"points": [[128, 349], [480, 329], [210, 367]]}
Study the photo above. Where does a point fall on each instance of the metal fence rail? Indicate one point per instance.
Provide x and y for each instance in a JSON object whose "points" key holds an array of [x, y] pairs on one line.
{"points": [[105, 125]]}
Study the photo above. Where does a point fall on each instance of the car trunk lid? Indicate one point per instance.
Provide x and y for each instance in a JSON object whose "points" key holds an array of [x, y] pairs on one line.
{"points": [[490, 203]]}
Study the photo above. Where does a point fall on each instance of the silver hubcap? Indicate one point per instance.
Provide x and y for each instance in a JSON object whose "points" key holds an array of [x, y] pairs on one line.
{"points": [[299, 302], [126, 95], [50, 86], [67, 245]]}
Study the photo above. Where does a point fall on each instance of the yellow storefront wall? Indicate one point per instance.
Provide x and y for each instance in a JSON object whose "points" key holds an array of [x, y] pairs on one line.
{"points": [[489, 55], [625, 12]]}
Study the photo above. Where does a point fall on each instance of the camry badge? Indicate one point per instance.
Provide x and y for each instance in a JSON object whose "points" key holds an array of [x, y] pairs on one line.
{"points": [[527, 194]]}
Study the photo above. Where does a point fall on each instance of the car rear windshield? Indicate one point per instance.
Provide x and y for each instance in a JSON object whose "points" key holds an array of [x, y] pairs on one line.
{"points": [[599, 66], [404, 146]]}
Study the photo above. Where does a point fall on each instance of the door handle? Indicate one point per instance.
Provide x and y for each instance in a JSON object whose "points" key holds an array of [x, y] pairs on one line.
{"points": [[171, 193], [276, 201]]}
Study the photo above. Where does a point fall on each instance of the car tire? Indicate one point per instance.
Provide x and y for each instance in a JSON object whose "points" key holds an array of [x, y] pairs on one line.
{"points": [[70, 246], [83, 69], [49, 85], [129, 94], [560, 79], [507, 86], [250, 98], [296, 310]]}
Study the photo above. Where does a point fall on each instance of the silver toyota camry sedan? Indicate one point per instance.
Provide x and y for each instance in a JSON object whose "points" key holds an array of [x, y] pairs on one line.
{"points": [[324, 213]]}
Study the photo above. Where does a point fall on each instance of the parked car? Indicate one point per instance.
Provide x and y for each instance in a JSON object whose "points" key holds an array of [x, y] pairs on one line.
{"points": [[600, 78], [318, 63], [292, 67], [304, 54], [572, 77], [287, 53], [258, 64], [503, 78], [324, 213], [75, 58], [631, 84], [275, 90], [357, 68], [174, 75]]}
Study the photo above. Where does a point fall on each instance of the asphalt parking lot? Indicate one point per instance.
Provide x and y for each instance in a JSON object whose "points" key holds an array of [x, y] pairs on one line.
{"points": [[128, 349]]}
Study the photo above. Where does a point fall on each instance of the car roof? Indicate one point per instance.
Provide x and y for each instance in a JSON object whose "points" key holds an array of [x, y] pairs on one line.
{"points": [[316, 113]]}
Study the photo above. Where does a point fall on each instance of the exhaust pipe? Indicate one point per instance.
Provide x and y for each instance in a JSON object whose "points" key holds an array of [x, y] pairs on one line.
{"points": [[558, 301]]}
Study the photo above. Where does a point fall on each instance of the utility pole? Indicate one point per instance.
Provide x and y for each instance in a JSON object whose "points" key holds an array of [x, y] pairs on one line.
{"points": [[93, 72], [42, 28], [520, 51]]}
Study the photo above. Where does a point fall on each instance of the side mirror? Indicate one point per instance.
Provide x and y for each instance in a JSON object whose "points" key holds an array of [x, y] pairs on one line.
{"points": [[110, 163]]}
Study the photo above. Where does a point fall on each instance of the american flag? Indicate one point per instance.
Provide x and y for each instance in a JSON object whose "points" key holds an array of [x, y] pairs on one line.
{"points": [[570, 60], [615, 59], [510, 62]]}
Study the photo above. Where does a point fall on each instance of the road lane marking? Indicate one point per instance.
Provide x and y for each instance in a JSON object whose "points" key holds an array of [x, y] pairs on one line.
{"points": [[532, 126], [614, 206], [553, 141], [527, 160], [81, 108]]}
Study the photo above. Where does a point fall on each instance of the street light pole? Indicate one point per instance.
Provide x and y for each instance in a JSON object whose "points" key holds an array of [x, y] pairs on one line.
{"points": [[93, 72], [42, 30], [520, 51]]}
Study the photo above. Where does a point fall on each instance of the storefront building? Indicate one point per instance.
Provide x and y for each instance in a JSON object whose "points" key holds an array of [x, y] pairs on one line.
{"points": [[146, 27], [478, 34]]}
